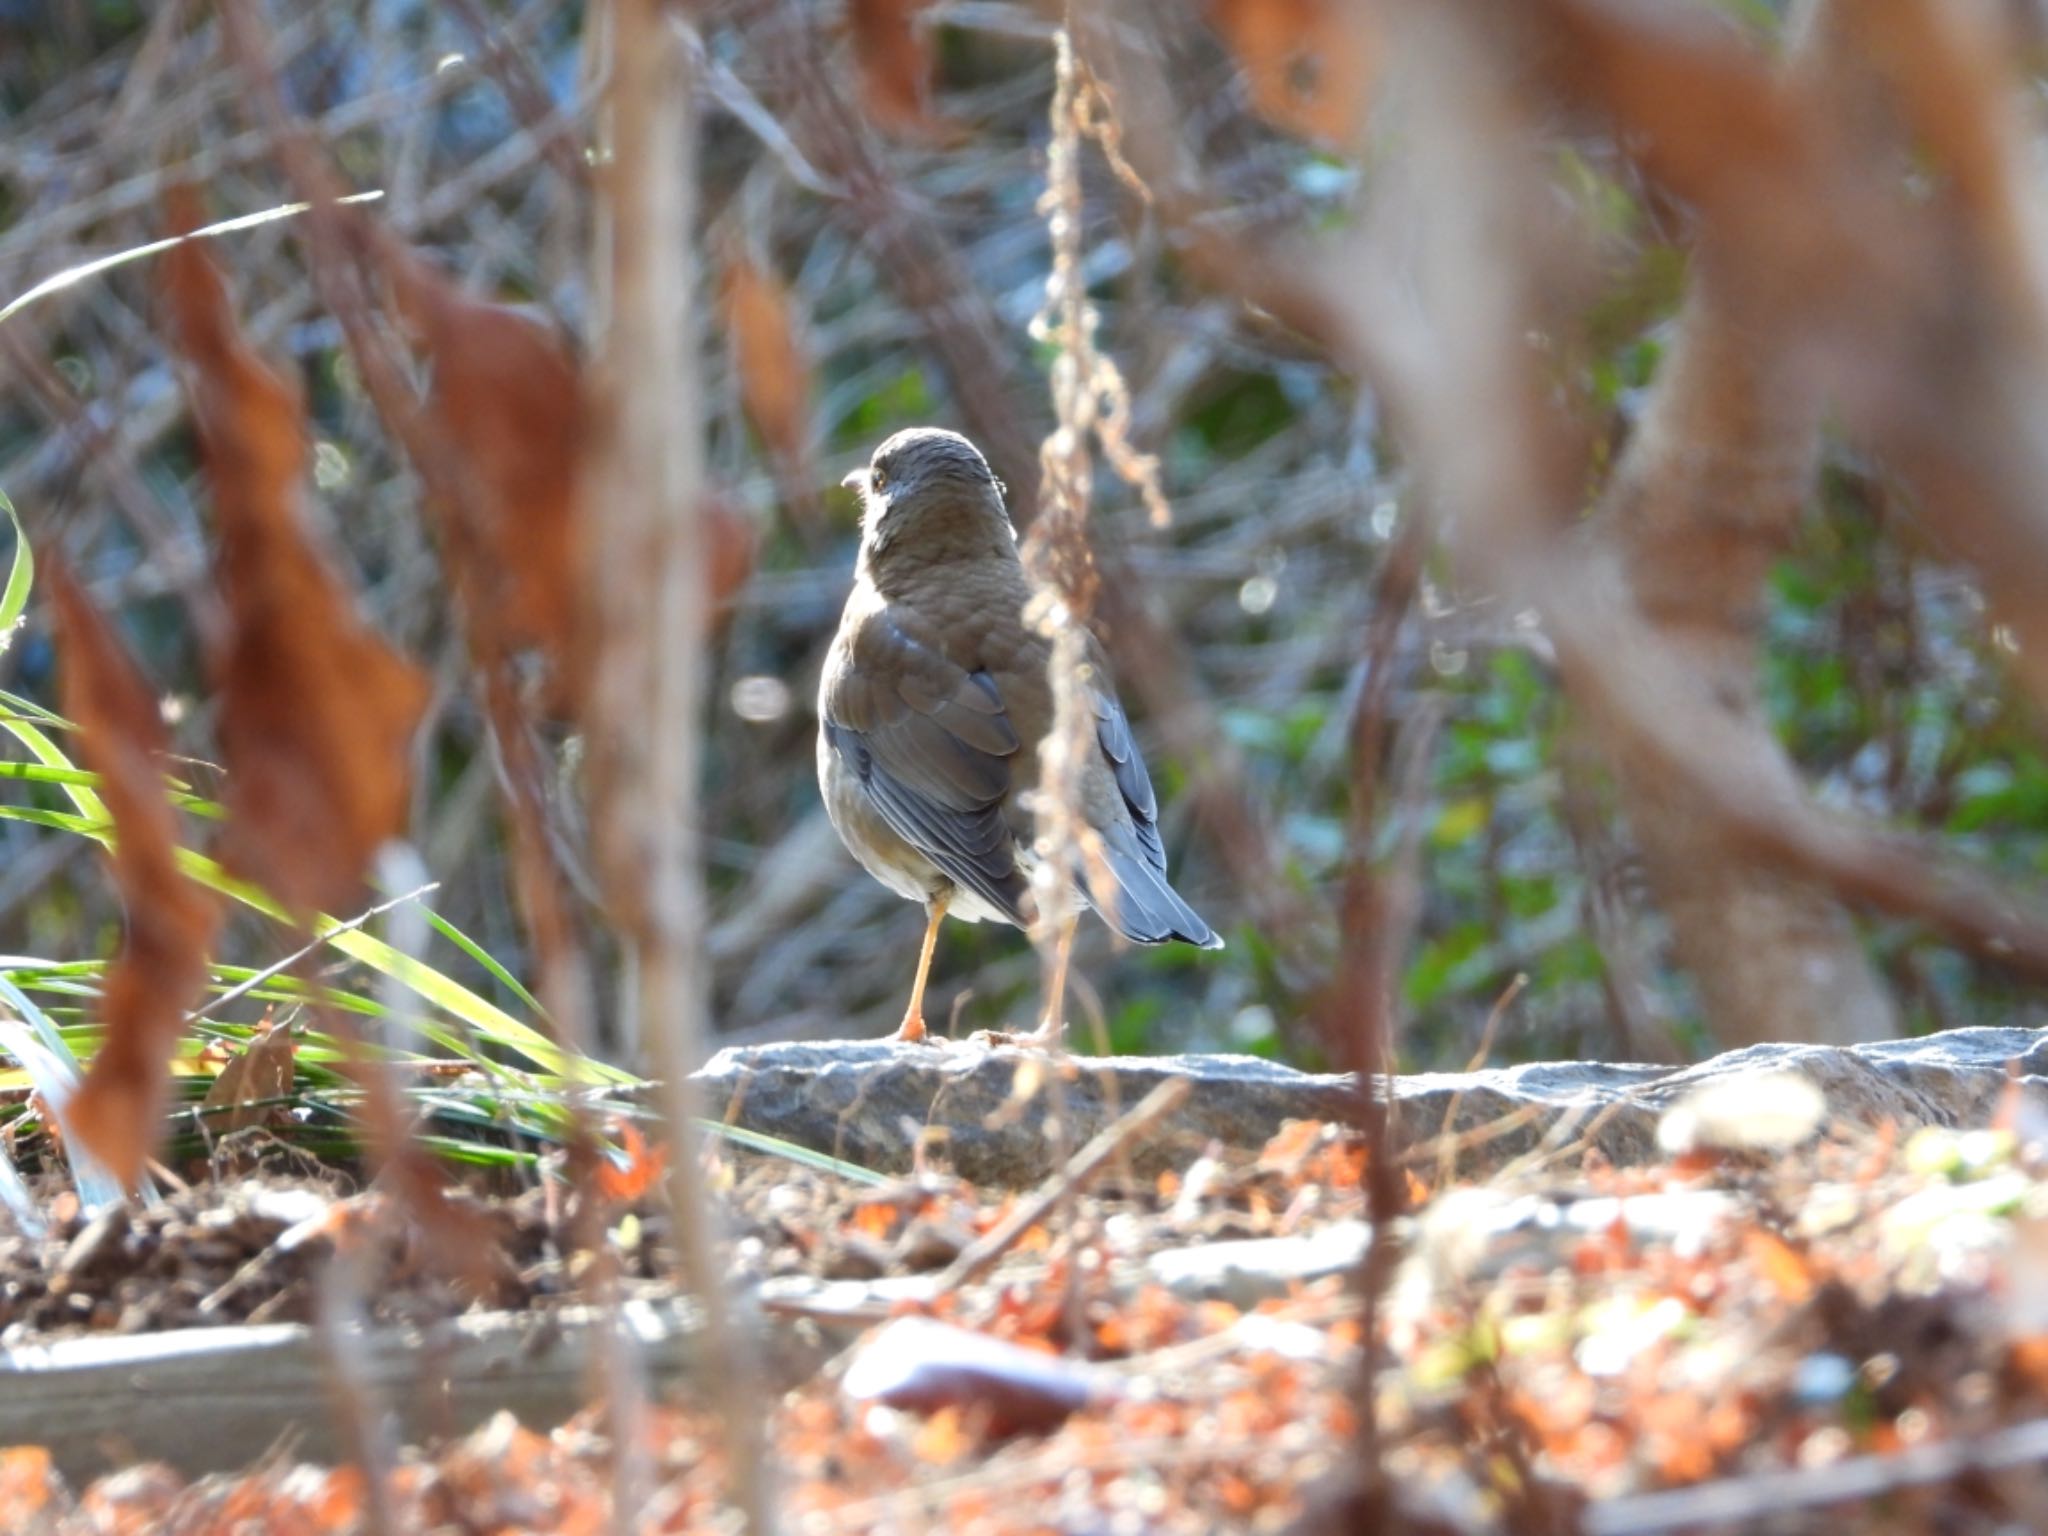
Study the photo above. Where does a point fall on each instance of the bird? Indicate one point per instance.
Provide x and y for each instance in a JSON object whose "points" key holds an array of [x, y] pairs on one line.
{"points": [[935, 695]]}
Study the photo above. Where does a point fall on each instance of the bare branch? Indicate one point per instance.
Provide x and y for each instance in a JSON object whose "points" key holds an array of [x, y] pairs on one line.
{"points": [[646, 612]]}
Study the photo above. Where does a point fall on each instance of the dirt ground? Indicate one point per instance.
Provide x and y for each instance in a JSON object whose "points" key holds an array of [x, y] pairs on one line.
{"points": [[1848, 1338], [249, 1248]]}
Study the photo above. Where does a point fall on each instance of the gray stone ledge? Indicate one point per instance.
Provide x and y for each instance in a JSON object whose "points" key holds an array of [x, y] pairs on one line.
{"points": [[870, 1101]]}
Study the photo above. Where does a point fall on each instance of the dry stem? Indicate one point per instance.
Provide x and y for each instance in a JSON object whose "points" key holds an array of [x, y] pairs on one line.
{"points": [[646, 613], [977, 1259]]}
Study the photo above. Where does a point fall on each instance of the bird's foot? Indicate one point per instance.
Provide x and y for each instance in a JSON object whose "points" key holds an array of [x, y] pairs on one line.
{"points": [[912, 1031], [1048, 1035]]}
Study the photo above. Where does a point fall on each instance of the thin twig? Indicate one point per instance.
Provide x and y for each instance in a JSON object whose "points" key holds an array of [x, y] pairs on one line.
{"points": [[1447, 1154], [1393, 895], [979, 1257], [1574, 1131], [271, 972], [731, 93], [525, 88], [1449, 1142], [1739, 1503], [1362, 912], [365, 1424], [646, 612]]}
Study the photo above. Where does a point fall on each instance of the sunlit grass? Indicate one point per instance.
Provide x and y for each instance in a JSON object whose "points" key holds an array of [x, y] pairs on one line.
{"points": [[495, 1086]]}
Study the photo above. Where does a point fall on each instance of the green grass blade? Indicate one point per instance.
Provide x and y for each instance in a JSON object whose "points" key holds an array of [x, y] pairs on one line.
{"points": [[484, 958], [21, 576], [97, 828], [30, 724], [42, 773], [25, 730], [490, 1022], [33, 712], [38, 1021], [775, 1146], [46, 1055]]}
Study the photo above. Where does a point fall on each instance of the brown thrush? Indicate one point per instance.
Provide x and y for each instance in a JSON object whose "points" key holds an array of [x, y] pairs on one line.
{"points": [[935, 697]]}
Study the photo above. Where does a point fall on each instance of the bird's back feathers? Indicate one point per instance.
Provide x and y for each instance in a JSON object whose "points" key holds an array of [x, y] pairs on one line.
{"points": [[936, 695]]}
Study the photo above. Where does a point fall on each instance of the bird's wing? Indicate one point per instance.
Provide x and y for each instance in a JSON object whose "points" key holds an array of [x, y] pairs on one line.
{"points": [[931, 744], [1145, 908], [1127, 765]]}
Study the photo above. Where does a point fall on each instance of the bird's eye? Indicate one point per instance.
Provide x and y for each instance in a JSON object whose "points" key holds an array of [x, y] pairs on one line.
{"points": [[881, 481]]}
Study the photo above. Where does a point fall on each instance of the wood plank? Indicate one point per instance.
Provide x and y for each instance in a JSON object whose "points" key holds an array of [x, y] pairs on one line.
{"points": [[217, 1399]]}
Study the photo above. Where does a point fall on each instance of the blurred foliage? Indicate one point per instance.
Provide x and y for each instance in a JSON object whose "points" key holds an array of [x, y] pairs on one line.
{"points": [[1285, 491]]}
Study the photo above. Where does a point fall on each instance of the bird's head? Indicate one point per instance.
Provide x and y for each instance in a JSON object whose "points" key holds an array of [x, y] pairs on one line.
{"points": [[929, 489]]}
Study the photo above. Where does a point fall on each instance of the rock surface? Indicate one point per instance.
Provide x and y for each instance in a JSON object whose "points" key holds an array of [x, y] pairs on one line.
{"points": [[871, 1102]]}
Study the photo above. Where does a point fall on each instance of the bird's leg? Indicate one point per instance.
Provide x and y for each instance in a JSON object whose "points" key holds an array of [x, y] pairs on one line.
{"points": [[1053, 1027], [912, 1027]]}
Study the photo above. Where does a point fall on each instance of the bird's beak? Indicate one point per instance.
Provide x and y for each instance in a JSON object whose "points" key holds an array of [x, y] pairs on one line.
{"points": [[857, 480]]}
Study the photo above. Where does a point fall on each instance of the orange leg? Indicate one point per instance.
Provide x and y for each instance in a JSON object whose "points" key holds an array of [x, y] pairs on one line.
{"points": [[912, 1027]]}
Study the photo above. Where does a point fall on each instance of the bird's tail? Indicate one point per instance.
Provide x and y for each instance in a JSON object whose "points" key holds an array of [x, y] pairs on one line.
{"points": [[1144, 908]]}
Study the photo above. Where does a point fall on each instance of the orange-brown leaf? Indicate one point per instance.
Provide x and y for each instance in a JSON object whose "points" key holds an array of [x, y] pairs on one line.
{"points": [[29, 1486], [1290, 1146], [1784, 1268], [1308, 63], [511, 405], [635, 1170], [774, 375], [118, 1112], [1704, 114], [895, 60], [248, 1089], [508, 398], [317, 713], [730, 541]]}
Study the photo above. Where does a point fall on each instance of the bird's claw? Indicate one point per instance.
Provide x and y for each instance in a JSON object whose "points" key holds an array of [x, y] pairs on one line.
{"points": [[1044, 1038], [912, 1031]]}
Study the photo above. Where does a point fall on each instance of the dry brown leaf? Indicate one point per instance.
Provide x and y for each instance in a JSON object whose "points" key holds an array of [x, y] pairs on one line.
{"points": [[895, 60], [1787, 1271], [774, 373], [1308, 63], [249, 1087], [317, 713], [730, 542], [1701, 112], [118, 1112], [636, 1169], [508, 398]]}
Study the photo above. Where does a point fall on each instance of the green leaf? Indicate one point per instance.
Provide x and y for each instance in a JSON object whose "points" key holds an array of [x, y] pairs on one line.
{"points": [[37, 1020], [24, 723], [775, 1146], [21, 575], [1460, 821], [38, 773], [489, 1026], [484, 958]]}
